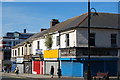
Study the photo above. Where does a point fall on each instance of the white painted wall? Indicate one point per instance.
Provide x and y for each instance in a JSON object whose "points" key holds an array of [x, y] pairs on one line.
{"points": [[72, 38], [102, 37], [42, 44], [78, 38], [81, 37], [34, 45], [62, 41], [13, 51], [54, 38]]}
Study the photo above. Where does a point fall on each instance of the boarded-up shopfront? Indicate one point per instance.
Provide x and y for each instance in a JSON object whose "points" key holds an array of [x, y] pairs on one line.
{"points": [[20, 65], [51, 59], [38, 67]]}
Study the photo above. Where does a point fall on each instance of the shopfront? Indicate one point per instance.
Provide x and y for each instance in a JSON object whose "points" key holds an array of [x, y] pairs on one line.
{"points": [[51, 59]]}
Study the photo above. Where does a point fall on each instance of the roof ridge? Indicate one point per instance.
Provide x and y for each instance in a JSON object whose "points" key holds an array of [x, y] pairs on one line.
{"points": [[106, 13]]}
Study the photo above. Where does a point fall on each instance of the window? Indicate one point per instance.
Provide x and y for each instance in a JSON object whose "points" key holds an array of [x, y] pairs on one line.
{"points": [[58, 40], [10, 34], [14, 43], [113, 40], [22, 50], [38, 44], [67, 39], [18, 51], [15, 52], [92, 39]]}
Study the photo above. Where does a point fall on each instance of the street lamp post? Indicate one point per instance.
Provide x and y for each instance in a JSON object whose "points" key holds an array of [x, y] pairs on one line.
{"points": [[89, 13], [89, 77]]}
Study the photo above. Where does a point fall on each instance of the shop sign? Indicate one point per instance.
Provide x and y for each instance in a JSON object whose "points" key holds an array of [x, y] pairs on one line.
{"points": [[51, 53], [39, 51]]}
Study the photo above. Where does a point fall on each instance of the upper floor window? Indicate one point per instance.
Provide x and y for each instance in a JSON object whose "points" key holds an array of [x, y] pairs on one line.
{"points": [[38, 44], [22, 50], [15, 52], [10, 34], [92, 39], [113, 40], [67, 39], [58, 40], [18, 51]]}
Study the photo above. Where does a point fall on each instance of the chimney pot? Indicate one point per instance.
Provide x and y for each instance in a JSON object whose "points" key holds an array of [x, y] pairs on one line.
{"points": [[24, 30]]}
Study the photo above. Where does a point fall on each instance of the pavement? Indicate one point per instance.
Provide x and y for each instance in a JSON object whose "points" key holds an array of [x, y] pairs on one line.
{"points": [[24, 75]]}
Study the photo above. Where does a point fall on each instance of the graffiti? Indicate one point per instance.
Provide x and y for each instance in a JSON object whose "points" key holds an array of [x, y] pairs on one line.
{"points": [[27, 68]]}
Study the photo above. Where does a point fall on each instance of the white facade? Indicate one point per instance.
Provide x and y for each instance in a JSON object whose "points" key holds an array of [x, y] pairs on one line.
{"points": [[35, 45], [102, 37], [77, 38]]}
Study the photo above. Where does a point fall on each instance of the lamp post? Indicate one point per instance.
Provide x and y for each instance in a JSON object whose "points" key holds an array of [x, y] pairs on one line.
{"points": [[89, 16], [89, 13]]}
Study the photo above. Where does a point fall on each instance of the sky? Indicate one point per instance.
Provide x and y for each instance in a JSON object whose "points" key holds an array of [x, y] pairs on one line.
{"points": [[17, 15], [59, 0]]}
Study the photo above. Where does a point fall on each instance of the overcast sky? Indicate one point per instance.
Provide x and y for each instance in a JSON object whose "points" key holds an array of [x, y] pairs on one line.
{"points": [[18, 15]]}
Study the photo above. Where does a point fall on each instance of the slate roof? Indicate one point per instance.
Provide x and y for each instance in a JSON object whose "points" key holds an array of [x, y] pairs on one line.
{"points": [[102, 20]]}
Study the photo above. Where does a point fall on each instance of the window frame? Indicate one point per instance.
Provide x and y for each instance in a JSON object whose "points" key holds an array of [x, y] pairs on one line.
{"points": [[113, 40], [38, 44], [67, 40], [57, 40], [92, 39]]}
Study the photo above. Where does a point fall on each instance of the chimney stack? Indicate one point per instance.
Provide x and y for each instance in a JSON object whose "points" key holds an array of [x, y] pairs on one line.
{"points": [[24, 30], [53, 22]]}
